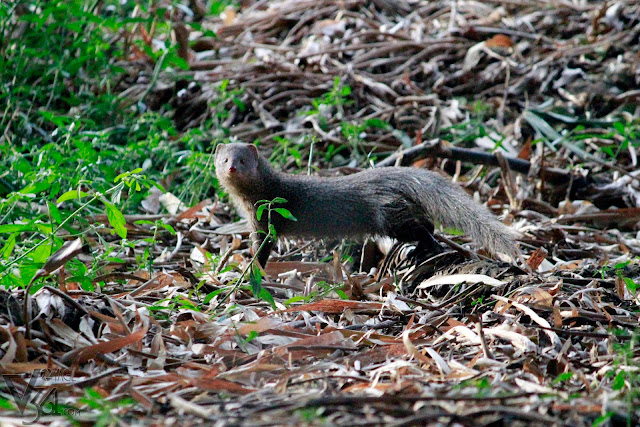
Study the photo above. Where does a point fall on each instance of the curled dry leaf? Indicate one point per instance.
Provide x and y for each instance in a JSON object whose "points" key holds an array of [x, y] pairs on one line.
{"points": [[67, 252], [83, 354]]}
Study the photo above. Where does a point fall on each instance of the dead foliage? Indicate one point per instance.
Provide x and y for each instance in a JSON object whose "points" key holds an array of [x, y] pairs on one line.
{"points": [[450, 340]]}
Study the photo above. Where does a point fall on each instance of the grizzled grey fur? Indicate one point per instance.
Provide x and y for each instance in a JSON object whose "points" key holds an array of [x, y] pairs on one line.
{"points": [[398, 202]]}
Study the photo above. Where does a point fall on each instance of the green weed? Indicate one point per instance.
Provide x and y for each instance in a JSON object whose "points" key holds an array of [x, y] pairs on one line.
{"points": [[72, 147]]}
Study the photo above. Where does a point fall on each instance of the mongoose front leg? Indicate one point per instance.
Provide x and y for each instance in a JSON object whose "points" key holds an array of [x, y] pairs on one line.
{"points": [[262, 247]]}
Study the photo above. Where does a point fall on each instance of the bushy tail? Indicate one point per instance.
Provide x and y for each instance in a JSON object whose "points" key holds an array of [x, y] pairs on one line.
{"points": [[448, 204]]}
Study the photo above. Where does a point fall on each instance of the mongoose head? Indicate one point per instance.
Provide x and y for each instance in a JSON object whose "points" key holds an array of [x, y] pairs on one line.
{"points": [[237, 166]]}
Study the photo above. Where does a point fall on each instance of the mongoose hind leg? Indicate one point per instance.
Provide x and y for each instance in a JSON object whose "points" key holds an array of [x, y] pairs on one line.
{"points": [[427, 247], [413, 227]]}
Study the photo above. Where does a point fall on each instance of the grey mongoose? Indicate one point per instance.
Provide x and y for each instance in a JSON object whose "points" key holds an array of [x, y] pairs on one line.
{"points": [[399, 202]]}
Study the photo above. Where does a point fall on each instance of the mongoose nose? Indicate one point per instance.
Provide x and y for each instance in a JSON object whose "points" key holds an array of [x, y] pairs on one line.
{"points": [[232, 169]]}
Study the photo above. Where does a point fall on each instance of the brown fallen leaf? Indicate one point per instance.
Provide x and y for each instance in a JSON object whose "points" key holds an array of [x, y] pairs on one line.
{"points": [[84, 354], [499, 40], [192, 211], [213, 384], [320, 342], [335, 306]]}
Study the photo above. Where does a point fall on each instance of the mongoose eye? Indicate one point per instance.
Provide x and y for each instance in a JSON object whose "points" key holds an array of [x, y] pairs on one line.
{"points": [[226, 160]]}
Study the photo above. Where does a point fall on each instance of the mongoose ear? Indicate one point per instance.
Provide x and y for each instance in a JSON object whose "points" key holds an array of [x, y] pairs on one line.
{"points": [[219, 148], [254, 149]]}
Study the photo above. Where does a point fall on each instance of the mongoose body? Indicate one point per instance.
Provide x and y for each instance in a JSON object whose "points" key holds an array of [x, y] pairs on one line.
{"points": [[398, 202]]}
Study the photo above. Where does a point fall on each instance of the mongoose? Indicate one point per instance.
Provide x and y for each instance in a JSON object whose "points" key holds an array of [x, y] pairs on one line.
{"points": [[399, 202]]}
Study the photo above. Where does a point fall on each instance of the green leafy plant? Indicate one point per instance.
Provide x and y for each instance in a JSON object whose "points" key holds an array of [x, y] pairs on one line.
{"points": [[219, 104], [268, 205], [219, 6], [242, 342], [482, 386], [285, 149], [628, 136], [255, 275], [337, 97], [624, 376], [106, 411], [323, 290], [312, 414], [44, 233], [68, 134], [619, 271], [563, 377], [157, 228], [478, 301]]}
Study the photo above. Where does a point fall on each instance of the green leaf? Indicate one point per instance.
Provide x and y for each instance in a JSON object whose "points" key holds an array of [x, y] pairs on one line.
{"points": [[266, 296], [114, 259], [212, 295], [260, 210], [40, 254], [16, 228], [608, 151], [377, 123], [58, 120], [85, 282], [294, 300], [189, 305], [286, 214], [341, 294], [239, 104], [169, 228], [255, 280], [92, 399], [70, 195], [116, 219], [279, 200], [55, 213], [7, 249], [6, 404], [35, 188], [126, 174], [179, 62], [631, 285], [541, 126], [602, 419], [251, 336], [157, 185], [618, 381], [563, 377], [44, 228]]}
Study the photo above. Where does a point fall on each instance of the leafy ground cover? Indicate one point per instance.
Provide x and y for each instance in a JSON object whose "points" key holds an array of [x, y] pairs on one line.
{"points": [[143, 305]]}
